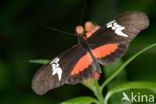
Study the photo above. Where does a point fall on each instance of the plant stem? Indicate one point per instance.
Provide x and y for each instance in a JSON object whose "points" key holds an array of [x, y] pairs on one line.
{"points": [[98, 93]]}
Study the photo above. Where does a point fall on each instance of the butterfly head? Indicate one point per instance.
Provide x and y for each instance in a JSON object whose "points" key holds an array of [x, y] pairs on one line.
{"points": [[87, 30]]}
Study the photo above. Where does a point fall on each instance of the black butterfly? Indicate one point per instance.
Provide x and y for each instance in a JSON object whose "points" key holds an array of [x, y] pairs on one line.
{"points": [[82, 61]]}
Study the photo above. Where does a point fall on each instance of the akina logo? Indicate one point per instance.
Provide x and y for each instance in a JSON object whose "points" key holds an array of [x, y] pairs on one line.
{"points": [[140, 98]]}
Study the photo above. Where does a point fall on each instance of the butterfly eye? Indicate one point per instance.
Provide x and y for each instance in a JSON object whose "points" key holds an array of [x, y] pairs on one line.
{"points": [[79, 29]]}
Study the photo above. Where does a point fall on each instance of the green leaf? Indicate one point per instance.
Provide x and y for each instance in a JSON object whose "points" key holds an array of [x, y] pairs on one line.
{"points": [[130, 85], [39, 61], [81, 100], [121, 68], [110, 68], [94, 86]]}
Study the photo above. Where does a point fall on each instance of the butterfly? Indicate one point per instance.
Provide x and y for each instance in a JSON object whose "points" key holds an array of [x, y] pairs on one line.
{"points": [[97, 45]]}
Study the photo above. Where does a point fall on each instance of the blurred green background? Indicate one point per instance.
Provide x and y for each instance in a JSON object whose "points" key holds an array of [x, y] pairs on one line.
{"points": [[24, 36]]}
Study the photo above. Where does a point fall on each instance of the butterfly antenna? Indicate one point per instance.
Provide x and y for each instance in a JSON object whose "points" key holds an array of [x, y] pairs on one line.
{"points": [[60, 31], [83, 11]]}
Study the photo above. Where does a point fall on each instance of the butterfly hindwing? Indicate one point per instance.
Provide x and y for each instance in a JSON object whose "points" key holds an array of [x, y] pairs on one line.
{"points": [[108, 53]]}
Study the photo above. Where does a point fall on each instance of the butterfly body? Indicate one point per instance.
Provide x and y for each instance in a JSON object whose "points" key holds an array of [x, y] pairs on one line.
{"points": [[97, 45], [84, 43]]}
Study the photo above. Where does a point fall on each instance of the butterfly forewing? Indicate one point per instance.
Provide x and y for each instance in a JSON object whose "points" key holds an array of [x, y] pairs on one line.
{"points": [[56, 72], [111, 41], [134, 22], [129, 23], [72, 66]]}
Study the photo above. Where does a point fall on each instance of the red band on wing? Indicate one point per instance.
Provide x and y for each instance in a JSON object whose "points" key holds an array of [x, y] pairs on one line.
{"points": [[82, 64], [98, 52], [104, 50]]}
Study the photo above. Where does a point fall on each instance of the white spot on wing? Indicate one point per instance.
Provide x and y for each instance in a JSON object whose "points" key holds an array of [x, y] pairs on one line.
{"points": [[56, 69], [117, 28]]}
